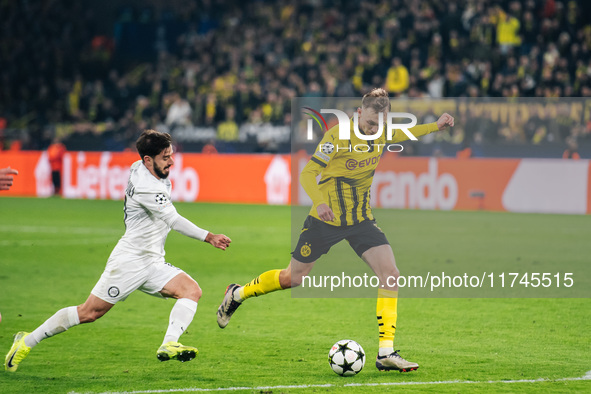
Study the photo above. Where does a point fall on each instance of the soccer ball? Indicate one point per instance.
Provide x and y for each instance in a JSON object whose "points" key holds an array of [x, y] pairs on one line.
{"points": [[346, 357], [327, 148]]}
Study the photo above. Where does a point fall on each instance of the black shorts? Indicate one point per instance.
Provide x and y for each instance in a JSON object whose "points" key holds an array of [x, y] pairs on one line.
{"points": [[318, 237]]}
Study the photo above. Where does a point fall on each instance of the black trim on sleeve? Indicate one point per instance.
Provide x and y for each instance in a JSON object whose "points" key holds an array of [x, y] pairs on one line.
{"points": [[320, 163]]}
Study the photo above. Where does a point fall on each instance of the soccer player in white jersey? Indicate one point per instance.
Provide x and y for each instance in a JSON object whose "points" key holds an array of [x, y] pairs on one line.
{"points": [[137, 262]]}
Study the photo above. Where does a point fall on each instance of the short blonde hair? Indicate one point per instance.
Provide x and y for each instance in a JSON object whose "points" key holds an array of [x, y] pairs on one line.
{"points": [[377, 100]]}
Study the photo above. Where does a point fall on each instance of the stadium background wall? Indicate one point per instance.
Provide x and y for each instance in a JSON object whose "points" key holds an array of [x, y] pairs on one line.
{"points": [[513, 185]]}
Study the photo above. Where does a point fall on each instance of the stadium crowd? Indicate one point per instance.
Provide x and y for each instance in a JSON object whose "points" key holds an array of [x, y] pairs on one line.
{"points": [[231, 66]]}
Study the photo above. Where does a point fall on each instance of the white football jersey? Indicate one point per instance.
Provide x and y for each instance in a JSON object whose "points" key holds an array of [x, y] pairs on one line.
{"points": [[149, 215]]}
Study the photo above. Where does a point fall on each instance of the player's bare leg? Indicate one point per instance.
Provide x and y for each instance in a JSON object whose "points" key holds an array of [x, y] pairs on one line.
{"points": [[294, 274], [382, 262], [92, 309], [267, 282], [187, 292]]}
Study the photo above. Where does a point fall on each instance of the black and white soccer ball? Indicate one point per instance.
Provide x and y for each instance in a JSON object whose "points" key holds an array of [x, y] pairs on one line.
{"points": [[327, 148], [346, 357]]}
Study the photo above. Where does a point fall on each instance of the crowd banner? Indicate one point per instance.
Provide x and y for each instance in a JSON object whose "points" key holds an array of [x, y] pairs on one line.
{"points": [[512, 185]]}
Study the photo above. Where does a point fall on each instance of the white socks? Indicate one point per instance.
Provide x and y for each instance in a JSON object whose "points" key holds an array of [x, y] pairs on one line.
{"points": [[58, 323], [236, 295], [180, 317], [385, 351]]}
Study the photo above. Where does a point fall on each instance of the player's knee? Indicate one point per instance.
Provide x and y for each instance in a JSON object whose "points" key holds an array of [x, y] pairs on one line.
{"points": [[196, 293], [394, 273], [193, 293], [389, 278]]}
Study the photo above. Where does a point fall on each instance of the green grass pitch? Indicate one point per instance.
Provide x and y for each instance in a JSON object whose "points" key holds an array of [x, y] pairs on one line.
{"points": [[52, 251]]}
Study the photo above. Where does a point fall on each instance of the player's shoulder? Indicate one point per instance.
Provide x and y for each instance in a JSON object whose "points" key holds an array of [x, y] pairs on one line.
{"points": [[332, 138], [332, 135], [144, 181]]}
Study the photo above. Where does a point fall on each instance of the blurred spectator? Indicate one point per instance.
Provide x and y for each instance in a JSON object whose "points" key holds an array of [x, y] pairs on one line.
{"points": [[209, 148], [179, 112], [397, 80], [571, 151], [228, 129], [507, 32], [465, 152], [55, 154]]}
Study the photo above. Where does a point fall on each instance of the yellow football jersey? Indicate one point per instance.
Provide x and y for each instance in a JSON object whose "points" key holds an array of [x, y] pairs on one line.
{"points": [[347, 168]]}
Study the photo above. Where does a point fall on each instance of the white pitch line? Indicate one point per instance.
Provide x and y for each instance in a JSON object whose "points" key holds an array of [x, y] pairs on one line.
{"points": [[56, 242], [587, 376], [64, 230]]}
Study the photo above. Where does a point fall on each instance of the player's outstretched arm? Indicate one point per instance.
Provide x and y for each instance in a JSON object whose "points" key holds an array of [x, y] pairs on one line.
{"points": [[220, 241], [444, 121], [188, 228]]}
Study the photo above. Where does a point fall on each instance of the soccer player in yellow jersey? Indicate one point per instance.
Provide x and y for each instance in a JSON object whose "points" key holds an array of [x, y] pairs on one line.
{"points": [[340, 211]]}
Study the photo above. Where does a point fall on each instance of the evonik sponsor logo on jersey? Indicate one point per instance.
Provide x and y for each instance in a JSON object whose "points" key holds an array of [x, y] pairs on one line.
{"points": [[352, 164]]}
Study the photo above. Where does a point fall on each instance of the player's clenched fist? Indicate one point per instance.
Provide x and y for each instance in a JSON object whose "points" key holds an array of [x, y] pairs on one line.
{"points": [[445, 120]]}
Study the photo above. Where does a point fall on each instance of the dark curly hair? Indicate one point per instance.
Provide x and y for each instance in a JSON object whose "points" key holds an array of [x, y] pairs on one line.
{"points": [[152, 142]]}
